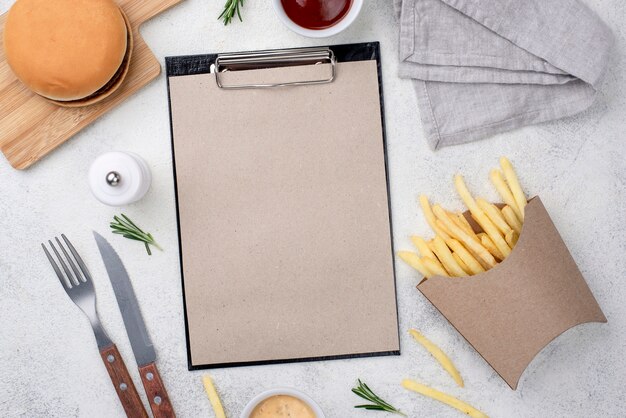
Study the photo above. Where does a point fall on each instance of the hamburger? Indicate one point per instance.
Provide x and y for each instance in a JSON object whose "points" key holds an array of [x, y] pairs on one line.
{"points": [[73, 52]]}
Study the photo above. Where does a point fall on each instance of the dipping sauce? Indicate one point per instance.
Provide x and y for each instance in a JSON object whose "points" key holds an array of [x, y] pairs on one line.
{"points": [[316, 14], [282, 406]]}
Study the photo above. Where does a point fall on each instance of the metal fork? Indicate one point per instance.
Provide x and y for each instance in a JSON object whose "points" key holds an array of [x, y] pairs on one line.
{"points": [[79, 287]]}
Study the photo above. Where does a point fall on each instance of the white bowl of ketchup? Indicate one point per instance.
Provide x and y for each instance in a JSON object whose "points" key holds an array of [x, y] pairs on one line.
{"points": [[282, 403], [317, 18]]}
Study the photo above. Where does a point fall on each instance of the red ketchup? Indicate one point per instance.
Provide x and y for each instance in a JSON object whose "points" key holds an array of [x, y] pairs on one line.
{"points": [[316, 14]]}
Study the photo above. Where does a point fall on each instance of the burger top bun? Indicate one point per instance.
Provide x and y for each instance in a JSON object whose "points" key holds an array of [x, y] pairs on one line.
{"points": [[65, 49]]}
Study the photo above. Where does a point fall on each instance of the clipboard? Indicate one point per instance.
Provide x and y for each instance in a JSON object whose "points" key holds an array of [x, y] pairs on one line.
{"points": [[283, 209]]}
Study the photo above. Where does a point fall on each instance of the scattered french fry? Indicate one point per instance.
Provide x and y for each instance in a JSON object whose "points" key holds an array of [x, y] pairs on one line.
{"points": [[511, 219], [470, 261], [445, 256], [497, 178], [434, 267], [480, 217], [214, 398], [439, 355], [494, 214], [443, 397], [430, 218], [513, 182], [471, 242], [414, 261]]}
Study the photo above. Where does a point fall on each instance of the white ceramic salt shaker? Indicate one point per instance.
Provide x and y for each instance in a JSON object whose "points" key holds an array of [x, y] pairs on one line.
{"points": [[119, 178]]}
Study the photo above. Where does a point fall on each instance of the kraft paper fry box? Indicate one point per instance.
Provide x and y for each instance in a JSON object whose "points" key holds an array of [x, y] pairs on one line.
{"points": [[509, 313]]}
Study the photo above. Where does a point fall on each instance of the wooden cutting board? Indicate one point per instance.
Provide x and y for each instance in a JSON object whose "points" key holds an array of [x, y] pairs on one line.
{"points": [[31, 127]]}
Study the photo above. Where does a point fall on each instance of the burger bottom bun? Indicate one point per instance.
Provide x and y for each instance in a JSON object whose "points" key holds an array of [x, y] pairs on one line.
{"points": [[113, 84]]}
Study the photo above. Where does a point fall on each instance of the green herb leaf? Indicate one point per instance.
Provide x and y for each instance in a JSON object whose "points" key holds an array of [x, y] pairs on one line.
{"points": [[128, 229], [371, 407], [231, 8], [363, 391]]}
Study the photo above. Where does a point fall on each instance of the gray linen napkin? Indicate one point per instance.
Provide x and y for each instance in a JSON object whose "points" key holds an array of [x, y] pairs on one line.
{"points": [[482, 67]]}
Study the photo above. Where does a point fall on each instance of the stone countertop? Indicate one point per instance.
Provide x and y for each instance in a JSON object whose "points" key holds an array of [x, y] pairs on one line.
{"points": [[49, 365]]}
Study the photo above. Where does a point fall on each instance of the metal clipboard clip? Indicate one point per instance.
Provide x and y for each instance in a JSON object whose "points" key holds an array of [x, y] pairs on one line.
{"points": [[274, 58]]}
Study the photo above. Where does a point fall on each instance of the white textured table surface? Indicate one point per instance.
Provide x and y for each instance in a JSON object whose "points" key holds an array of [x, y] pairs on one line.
{"points": [[49, 365]]}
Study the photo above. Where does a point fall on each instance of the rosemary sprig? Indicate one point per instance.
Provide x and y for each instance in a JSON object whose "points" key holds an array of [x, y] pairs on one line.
{"points": [[127, 228], [230, 8], [377, 404]]}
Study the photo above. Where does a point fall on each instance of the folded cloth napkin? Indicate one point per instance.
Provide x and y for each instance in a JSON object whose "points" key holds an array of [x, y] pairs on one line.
{"points": [[482, 67]]}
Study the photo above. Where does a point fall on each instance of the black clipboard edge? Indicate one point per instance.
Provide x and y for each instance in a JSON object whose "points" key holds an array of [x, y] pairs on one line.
{"points": [[183, 65], [293, 360]]}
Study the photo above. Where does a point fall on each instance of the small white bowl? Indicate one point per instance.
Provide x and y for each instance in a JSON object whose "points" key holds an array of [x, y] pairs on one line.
{"points": [[355, 9], [281, 391]]}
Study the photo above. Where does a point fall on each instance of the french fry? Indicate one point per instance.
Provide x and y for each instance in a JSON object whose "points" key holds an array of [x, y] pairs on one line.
{"points": [[456, 220], [513, 182], [511, 219], [430, 218], [414, 261], [470, 261], [435, 258], [439, 355], [444, 228], [421, 246], [214, 398], [434, 267], [463, 220], [470, 242], [497, 178], [431, 247], [484, 265], [445, 256], [461, 263], [424, 248], [443, 397], [494, 214], [488, 244], [457, 250], [511, 238], [473, 235], [480, 216]]}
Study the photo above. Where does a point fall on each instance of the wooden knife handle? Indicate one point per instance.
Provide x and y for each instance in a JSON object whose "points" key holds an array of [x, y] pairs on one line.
{"points": [[155, 390], [123, 383]]}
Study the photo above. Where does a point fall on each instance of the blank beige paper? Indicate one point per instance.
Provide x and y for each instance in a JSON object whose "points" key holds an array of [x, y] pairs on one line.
{"points": [[284, 219]]}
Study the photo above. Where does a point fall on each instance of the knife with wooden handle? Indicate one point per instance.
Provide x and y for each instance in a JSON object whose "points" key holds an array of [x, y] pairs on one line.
{"points": [[136, 330]]}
